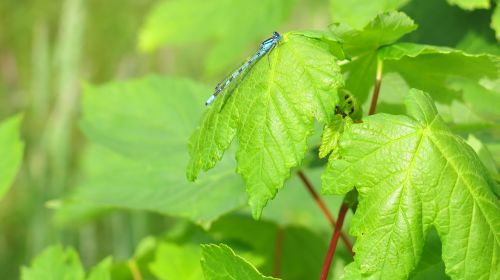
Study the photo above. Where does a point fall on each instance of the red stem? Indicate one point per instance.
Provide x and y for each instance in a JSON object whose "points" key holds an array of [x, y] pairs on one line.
{"points": [[324, 209], [376, 88], [333, 242], [278, 252]]}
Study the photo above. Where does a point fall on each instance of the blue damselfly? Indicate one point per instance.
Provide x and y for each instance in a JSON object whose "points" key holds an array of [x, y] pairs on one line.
{"points": [[265, 47]]}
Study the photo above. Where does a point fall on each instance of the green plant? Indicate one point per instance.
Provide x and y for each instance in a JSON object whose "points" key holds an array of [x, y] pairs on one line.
{"points": [[362, 112]]}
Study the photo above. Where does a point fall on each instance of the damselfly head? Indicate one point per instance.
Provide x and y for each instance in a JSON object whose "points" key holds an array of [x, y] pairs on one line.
{"points": [[276, 35]]}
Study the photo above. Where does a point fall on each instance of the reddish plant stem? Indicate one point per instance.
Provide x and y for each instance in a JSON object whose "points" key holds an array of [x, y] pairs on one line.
{"points": [[376, 88], [278, 252], [333, 242], [324, 209]]}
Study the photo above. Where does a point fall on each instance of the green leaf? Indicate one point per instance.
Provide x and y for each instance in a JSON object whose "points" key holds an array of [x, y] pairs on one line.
{"points": [[412, 174], [487, 159], [431, 265], [271, 113], [11, 151], [362, 46], [384, 29], [176, 22], [471, 4], [220, 262], [54, 263], [444, 25], [364, 12], [475, 43], [141, 128], [331, 137], [467, 84], [101, 271], [495, 21], [174, 261], [452, 76], [437, 65]]}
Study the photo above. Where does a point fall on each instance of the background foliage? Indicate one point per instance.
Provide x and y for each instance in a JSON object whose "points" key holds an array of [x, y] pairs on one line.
{"points": [[98, 100]]}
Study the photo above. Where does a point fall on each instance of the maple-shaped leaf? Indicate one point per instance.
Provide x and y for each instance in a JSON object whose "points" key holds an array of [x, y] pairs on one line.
{"points": [[412, 174], [271, 113]]}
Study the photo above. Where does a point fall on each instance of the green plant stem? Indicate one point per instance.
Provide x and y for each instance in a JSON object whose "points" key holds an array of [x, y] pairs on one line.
{"points": [[278, 252], [322, 206], [376, 87], [134, 269], [333, 242]]}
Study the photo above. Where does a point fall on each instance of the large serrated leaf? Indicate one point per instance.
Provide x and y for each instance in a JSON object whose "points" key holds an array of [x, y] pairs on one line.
{"points": [[141, 128], [412, 174], [271, 113], [453, 77]]}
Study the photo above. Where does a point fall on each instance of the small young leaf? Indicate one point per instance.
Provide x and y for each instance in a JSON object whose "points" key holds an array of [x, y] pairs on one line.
{"points": [[271, 113], [11, 151], [412, 174], [331, 137], [219, 262]]}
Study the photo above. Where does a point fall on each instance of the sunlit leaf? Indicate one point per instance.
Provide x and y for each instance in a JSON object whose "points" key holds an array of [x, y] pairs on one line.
{"points": [[364, 11], [448, 74], [11, 152], [384, 29], [467, 84], [471, 4], [174, 261], [362, 45], [271, 113], [412, 174], [219, 262]]}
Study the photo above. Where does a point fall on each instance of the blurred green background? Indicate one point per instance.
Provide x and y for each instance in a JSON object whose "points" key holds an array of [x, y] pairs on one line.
{"points": [[51, 50]]}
